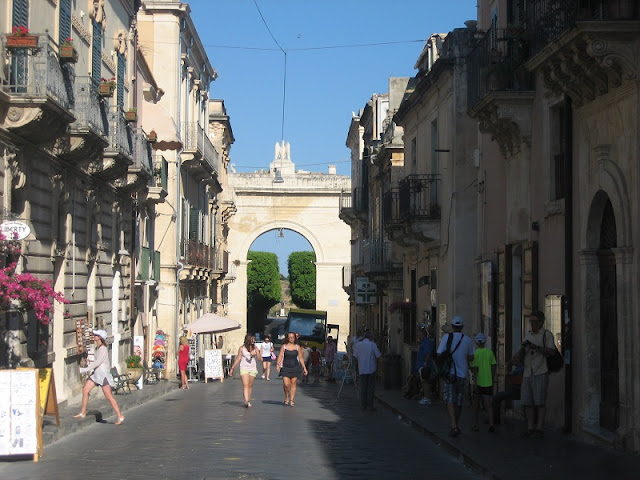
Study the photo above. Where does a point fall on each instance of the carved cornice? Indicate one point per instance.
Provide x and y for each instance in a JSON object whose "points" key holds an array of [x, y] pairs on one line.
{"points": [[80, 29], [507, 117], [591, 60]]}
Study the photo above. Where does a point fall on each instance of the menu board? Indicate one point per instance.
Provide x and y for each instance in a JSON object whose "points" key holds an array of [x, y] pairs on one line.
{"points": [[213, 365], [20, 425]]}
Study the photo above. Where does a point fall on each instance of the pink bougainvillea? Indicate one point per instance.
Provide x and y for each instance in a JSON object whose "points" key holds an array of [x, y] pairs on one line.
{"points": [[22, 290]]}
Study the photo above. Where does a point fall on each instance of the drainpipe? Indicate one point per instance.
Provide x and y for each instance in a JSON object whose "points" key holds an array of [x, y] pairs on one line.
{"points": [[567, 330], [179, 264]]}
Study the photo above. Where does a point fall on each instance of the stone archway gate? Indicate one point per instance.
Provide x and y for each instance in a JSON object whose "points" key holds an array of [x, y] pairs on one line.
{"points": [[307, 203]]}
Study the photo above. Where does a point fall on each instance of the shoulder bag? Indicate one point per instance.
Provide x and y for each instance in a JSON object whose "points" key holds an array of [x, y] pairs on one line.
{"points": [[555, 362]]}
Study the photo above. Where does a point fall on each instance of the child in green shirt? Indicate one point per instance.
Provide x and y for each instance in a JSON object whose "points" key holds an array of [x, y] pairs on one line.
{"points": [[483, 367]]}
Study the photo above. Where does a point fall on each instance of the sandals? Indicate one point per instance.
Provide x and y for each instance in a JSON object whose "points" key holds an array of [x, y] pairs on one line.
{"points": [[80, 415], [248, 405], [286, 401], [292, 403], [454, 432], [120, 421]]}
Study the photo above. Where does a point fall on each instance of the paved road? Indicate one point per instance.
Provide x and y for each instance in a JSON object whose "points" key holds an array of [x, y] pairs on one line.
{"points": [[206, 433]]}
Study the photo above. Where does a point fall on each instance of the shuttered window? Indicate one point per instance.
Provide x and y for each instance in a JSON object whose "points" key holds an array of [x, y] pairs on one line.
{"points": [[21, 13], [96, 54], [194, 215], [64, 20], [120, 79]]}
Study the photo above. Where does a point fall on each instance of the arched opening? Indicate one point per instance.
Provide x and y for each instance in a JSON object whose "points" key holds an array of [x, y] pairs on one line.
{"points": [[282, 242], [609, 378]]}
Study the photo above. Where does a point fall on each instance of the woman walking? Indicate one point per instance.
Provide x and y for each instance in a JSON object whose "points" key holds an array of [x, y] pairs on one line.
{"points": [[267, 353], [246, 356], [289, 362], [100, 370], [183, 361]]}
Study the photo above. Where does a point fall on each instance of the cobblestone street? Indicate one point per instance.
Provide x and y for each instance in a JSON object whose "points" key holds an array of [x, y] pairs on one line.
{"points": [[206, 432]]}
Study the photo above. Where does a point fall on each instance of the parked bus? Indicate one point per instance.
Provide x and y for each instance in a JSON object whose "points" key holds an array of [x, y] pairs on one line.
{"points": [[310, 324]]}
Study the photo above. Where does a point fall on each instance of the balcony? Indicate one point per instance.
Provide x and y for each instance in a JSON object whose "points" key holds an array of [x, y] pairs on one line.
{"points": [[354, 205], [148, 265], [141, 171], [418, 206], [201, 261], [346, 279], [500, 87], [118, 155], [377, 263], [584, 51], [36, 91], [87, 136], [199, 154], [159, 189]]}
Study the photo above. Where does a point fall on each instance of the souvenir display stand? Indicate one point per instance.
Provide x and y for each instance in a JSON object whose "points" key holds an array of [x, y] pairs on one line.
{"points": [[159, 355]]}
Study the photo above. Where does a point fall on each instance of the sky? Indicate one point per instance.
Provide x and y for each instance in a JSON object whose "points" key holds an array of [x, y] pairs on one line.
{"points": [[338, 53]]}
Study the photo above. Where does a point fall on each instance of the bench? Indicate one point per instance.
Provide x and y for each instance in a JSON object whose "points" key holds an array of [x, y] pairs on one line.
{"points": [[121, 381]]}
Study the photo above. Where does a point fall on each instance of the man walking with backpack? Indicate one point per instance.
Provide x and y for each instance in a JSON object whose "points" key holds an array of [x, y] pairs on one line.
{"points": [[455, 352]]}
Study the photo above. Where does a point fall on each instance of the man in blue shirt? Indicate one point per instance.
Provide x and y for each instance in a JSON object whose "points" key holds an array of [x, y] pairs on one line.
{"points": [[367, 354]]}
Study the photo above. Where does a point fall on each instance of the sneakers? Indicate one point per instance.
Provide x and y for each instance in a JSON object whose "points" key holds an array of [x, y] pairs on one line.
{"points": [[425, 401], [264, 376]]}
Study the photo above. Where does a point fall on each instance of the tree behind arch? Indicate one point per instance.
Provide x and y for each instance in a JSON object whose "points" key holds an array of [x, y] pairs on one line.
{"points": [[263, 288], [302, 278]]}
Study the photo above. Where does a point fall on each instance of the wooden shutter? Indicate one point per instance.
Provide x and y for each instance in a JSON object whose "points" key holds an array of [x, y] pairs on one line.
{"points": [[20, 13], [529, 278], [96, 54], [64, 20], [120, 79], [503, 314], [193, 223]]}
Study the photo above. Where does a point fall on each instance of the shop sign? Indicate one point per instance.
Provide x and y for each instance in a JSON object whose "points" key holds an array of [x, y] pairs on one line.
{"points": [[15, 230]]}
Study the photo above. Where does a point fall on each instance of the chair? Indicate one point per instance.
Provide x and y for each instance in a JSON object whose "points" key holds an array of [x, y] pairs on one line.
{"points": [[148, 374], [120, 381]]}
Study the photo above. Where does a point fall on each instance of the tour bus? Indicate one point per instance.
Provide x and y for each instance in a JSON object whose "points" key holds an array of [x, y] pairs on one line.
{"points": [[310, 324]]}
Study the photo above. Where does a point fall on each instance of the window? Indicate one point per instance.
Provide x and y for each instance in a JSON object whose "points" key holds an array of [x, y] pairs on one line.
{"points": [[96, 54], [21, 13], [64, 21], [414, 152], [121, 68], [553, 317], [558, 133]]}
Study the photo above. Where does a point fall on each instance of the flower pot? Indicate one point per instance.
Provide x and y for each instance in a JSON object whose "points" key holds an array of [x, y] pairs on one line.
{"points": [[152, 137], [68, 54], [105, 90], [131, 116], [134, 374], [22, 41]]}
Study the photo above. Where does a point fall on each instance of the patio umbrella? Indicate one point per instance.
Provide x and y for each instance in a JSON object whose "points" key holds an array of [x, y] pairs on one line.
{"points": [[212, 323]]}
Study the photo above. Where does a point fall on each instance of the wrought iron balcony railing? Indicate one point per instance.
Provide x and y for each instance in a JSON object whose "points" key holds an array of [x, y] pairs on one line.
{"points": [[34, 71], [120, 135], [497, 63], [195, 140], [376, 255], [87, 107], [418, 197], [391, 208], [142, 156]]}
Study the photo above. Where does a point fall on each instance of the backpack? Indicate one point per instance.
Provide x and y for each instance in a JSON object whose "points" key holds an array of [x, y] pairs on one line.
{"points": [[444, 360]]}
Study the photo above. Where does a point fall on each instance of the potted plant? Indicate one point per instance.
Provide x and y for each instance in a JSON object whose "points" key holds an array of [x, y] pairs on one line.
{"points": [[20, 38], [68, 52], [131, 115], [152, 136], [134, 368], [106, 87]]}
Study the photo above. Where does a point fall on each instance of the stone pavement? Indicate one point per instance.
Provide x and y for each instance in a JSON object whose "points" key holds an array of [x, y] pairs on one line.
{"points": [[99, 409], [505, 454]]}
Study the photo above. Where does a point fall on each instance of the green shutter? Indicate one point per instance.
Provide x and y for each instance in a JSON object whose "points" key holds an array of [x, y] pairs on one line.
{"points": [[21, 13], [65, 20], [165, 173], [120, 79], [193, 223], [96, 54]]}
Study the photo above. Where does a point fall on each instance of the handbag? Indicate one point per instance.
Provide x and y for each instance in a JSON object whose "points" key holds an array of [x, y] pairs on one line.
{"points": [[555, 362], [273, 356]]}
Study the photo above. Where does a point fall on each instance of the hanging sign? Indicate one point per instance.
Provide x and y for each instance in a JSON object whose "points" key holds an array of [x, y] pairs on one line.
{"points": [[365, 291], [15, 230]]}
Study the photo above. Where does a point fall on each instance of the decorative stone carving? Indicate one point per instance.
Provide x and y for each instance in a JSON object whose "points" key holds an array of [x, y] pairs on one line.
{"points": [[96, 11], [120, 43], [508, 122]]}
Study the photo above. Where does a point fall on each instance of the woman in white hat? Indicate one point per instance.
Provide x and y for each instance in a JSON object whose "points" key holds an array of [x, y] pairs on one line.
{"points": [[100, 370]]}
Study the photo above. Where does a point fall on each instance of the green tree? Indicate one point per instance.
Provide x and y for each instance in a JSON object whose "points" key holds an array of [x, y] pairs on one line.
{"points": [[263, 287], [302, 278]]}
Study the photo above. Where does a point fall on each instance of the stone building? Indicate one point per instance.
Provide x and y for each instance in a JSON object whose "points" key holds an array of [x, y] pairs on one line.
{"points": [[97, 124]]}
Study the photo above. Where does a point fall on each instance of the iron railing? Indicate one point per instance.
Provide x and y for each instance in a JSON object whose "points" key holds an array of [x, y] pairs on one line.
{"points": [[346, 276], [142, 156], [391, 208], [35, 71], [418, 197], [201, 255], [496, 63], [376, 255], [120, 135], [160, 171], [195, 139], [87, 107]]}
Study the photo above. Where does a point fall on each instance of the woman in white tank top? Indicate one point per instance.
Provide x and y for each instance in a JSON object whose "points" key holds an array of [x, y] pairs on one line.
{"points": [[247, 358]]}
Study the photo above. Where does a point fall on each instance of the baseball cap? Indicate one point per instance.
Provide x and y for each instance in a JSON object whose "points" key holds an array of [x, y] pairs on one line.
{"points": [[457, 321], [101, 333], [480, 338]]}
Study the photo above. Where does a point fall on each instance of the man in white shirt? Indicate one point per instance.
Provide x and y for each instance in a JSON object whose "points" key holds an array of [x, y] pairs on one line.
{"points": [[456, 382], [367, 354]]}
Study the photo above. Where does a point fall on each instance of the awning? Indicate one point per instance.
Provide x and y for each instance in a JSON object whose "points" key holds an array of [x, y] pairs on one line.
{"points": [[157, 119]]}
